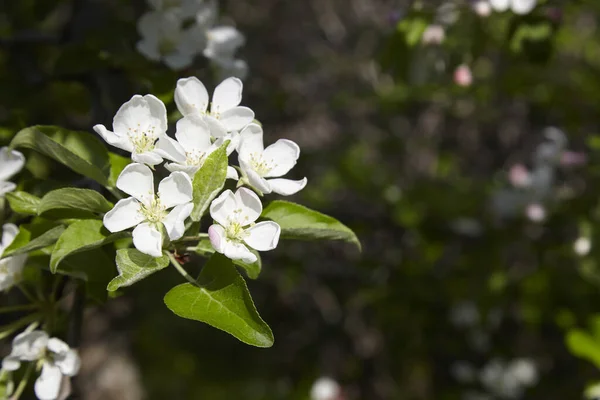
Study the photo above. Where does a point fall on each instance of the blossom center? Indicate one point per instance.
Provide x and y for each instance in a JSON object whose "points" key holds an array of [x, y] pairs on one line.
{"points": [[154, 212], [167, 45], [260, 165], [195, 157], [142, 140], [235, 231]]}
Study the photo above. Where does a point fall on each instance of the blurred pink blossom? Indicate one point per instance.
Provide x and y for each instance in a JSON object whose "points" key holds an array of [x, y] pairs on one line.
{"points": [[572, 158], [433, 34], [463, 76], [535, 212], [519, 176]]}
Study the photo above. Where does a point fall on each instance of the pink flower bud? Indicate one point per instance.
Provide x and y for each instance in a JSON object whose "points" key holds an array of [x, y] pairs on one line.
{"points": [[463, 76], [482, 8]]}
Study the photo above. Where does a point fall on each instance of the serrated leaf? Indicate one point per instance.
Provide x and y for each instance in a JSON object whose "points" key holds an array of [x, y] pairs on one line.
{"points": [[74, 199], [583, 345], [209, 180], [23, 202], [117, 164], [81, 236], [299, 222], [134, 266], [204, 248], [80, 151], [223, 301], [22, 245]]}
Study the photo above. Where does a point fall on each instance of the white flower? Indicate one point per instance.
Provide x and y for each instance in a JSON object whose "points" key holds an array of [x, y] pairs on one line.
{"points": [[524, 370], [58, 361], [235, 229], [137, 126], [148, 212], [517, 6], [225, 117], [11, 162], [325, 388], [165, 38], [582, 246], [191, 148], [276, 160], [10, 267], [223, 42]]}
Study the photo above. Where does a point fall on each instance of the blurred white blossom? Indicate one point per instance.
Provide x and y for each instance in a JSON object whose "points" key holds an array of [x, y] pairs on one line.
{"points": [[325, 388], [11, 268], [582, 246], [517, 6]]}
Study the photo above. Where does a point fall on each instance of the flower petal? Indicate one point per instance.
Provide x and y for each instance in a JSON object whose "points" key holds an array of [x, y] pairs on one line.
{"points": [[223, 42], [6, 187], [236, 118], [500, 5], [234, 141], [121, 142], [148, 240], [283, 154], [523, 7], [149, 48], [223, 207], [125, 214], [191, 96], [175, 189], [228, 94], [232, 173], [216, 234], [11, 363], [11, 162], [255, 180], [217, 129], [286, 187], [69, 363], [237, 251], [29, 346], [251, 141], [190, 170], [148, 158], [137, 180], [57, 346], [193, 133], [9, 232], [249, 206], [175, 220], [263, 236], [47, 385], [178, 60], [142, 114], [170, 149]]}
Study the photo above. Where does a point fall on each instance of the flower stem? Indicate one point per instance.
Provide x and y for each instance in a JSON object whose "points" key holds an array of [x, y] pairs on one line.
{"points": [[22, 307], [23, 383], [199, 236], [181, 270]]}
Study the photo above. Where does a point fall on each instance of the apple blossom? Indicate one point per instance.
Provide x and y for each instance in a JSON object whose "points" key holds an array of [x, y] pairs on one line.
{"points": [[260, 164], [57, 359], [138, 124], [149, 212], [433, 34], [235, 229], [463, 75], [225, 117], [11, 162], [521, 7], [325, 388], [10, 267]]}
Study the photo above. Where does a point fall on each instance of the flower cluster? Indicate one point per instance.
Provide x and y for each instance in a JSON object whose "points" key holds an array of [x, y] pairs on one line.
{"points": [[56, 359], [140, 127], [11, 162], [520, 7], [10, 267], [176, 31]]}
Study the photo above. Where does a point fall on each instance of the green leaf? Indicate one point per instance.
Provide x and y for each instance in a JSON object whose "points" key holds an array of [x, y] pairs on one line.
{"points": [[80, 151], [81, 236], [23, 202], [117, 164], [204, 248], [299, 222], [74, 199], [583, 345], [223, 301], [134, 266], [209, 180], [22, 245]]}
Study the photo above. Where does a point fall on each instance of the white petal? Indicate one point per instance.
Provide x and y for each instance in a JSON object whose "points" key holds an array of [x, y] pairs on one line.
{"points": [[286, 187], [148, 48], [263, 236], [216, 234], [249, 206], [175, 189], [190, 170], [500, 5], [223, 42], [137, 180], [47, 385], [228, 94], [236, 118], [178, 60], [232, 173], [141, 114], [234, 142], [223, 207], [170, 149], [255, 180], [9, 232], [217, 129], [11, 363], [193, 133], [283, 154], [251, 141], [69, 363], [191, 96], [121, 142], [148, 158], [237, 251], [175, 220], [57, 346], [148, 240], [523, 7], [6, 187], [125, 214], [29, 346], [11, 162]]}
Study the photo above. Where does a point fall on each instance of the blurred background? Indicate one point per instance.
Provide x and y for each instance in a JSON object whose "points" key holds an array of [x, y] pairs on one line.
{"points": [[457, 138]]}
